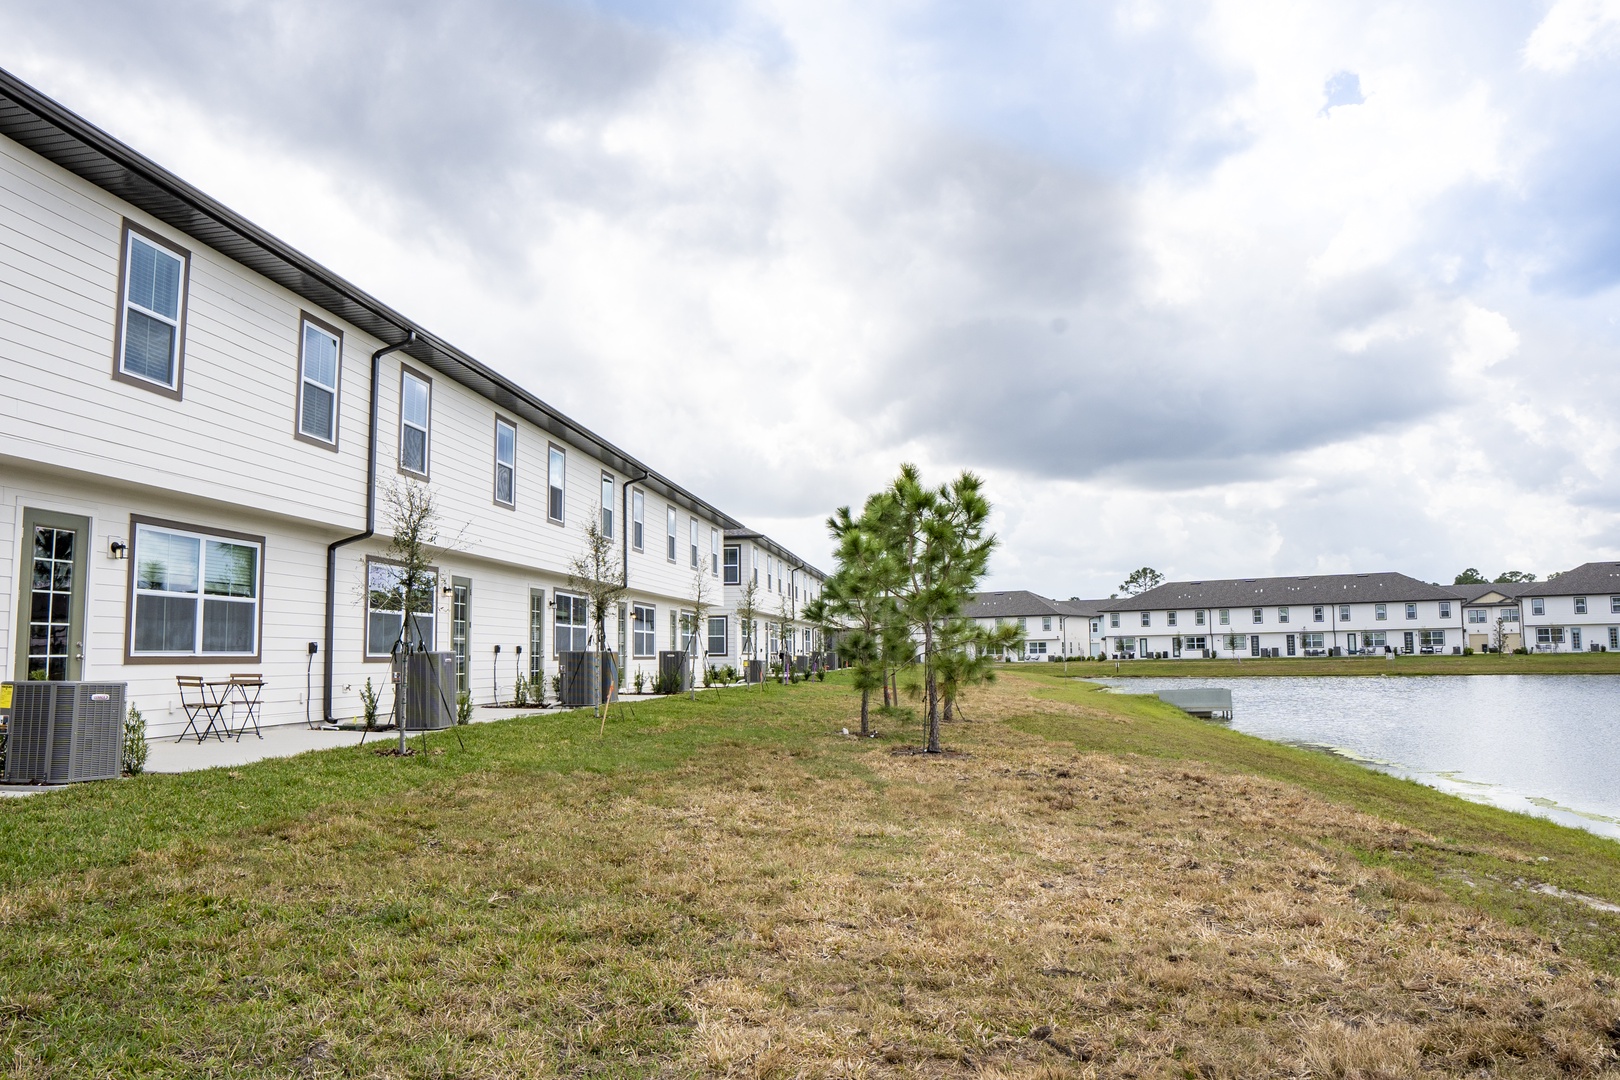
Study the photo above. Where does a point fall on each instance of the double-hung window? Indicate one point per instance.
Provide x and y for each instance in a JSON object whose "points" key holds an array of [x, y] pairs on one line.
{"points": [[572, 624], [415, 411], [1445, 609], [607, 505], [1432, 639], [1318, 615], [556, 481], [1147, 618], [733, 566], [1411, 611], [644, 639], [1580, 605], [717, 635], [1282, 614], [1198, 617], [692, 540], [320, 362], [1225, 616], [152, 312], [388, 595], [1046, 623], [638, 520], [1344, 612], [505, 463], [669, 525], [1113, 620], [1538, 606], [1380, 612], [196, 593], [1169, 619], [1476, 615], [753, 553], [714, 552], [1259, 615]]}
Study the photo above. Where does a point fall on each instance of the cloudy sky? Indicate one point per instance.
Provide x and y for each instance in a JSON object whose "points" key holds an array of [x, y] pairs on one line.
{"points": [[1223, 288]]}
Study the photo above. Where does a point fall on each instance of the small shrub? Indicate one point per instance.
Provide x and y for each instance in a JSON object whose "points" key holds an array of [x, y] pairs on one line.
{"points": [[464, 708], [135, 748], [640, 680], [368, 704], [520, 692], [1468, 650], [709, 676], [556, 686], [821, 674]]}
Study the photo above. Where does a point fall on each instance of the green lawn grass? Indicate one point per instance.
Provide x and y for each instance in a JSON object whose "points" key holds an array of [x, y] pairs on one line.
{"points": [[731, 886], [1603, 663], [1478, 852]]}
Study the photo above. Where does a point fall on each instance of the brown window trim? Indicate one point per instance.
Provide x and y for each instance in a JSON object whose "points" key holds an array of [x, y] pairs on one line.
{"points": [[672, 537], [365, 608], [630, 524], [177, 391], [337, 391], [560, 521], [495, 478], [427, 447], [129, 596]]}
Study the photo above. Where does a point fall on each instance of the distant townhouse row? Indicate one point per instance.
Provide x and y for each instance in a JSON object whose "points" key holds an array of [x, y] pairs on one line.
{"points": [[198, 429], [1320, 615]]}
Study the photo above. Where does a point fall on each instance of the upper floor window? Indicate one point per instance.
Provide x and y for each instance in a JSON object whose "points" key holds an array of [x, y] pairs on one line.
{"points": [[770, 569], [1226, 616], [1380, 612], [1510, 614], [1147, 618], [1170, 618], [1023, 623], [1477, 615], [505, 462], [1318, 614], [692, 540], [1282, 614], [1580, 605], [1096, 626], [1344, 612], [556, 484], [415, 408], [733, 566], [714, 552], [152, 312], [1411, 611], [1538, 606], [638, 520], [1113, 619], [1046, 622], [320, 351], [1614, 605], [607, 505], [1445, 609], [669, 523], [754, 556], [1199, 617], [196, 593], [1259, 615]]}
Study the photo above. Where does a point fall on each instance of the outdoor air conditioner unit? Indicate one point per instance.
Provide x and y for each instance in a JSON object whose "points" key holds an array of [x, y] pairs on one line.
{"points": [[65, 732], [429, 685], [580, 670]]}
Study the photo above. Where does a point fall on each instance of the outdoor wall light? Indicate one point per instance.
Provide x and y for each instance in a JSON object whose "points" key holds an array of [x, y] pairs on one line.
{"points": [[497, 650], [448, 589], [118, 549]]}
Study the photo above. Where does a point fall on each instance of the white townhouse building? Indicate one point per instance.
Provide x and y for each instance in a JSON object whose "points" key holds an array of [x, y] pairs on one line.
{"points": [[1049, 627], [784, 584], [198, 425], [1576, 611], [1320, 615], [1486, 606], [1086, 622]]}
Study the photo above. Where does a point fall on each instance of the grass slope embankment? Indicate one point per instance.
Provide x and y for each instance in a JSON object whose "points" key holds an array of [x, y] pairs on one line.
{"points": [[1603, 663], [731, 887]]}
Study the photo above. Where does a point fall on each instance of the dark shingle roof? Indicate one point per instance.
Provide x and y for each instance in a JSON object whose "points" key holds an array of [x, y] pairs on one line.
{"points": [[1266, 592], [1010, 604], [1471, 593], [1592, 577], [1083, 608]]}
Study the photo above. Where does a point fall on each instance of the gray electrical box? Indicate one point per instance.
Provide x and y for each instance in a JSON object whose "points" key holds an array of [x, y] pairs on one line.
{"points": [[427, 691]]}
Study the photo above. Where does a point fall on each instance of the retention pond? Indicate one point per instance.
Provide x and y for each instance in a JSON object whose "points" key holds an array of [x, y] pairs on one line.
{"points": [[1540, 744]]}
